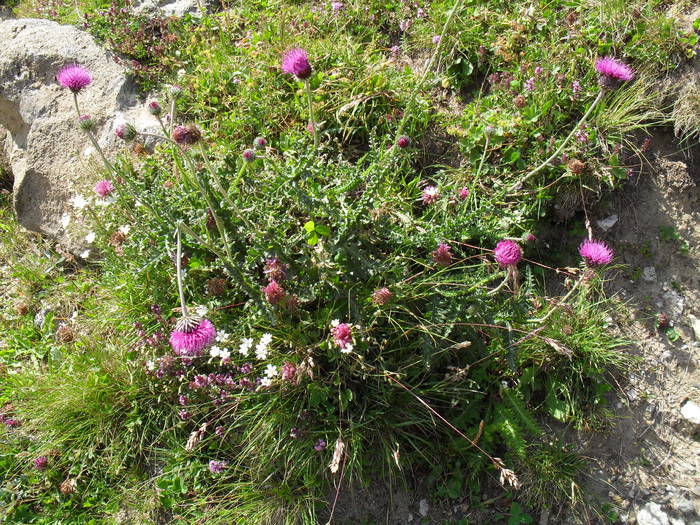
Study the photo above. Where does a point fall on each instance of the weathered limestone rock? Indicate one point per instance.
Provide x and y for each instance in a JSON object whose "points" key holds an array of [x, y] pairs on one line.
{"points": [[51, 158]]}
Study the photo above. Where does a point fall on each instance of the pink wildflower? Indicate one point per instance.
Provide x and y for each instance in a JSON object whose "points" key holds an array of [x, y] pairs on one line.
{"points": [[442, 254], [320, 445], [382, 296], [613, 72], [274, 293], [436, 39], [217, 467], [289, 371], [187, 135], [296, 62], [403, 142], [104, 188], [507, 253], [249, 155], [430, 195], [41, 463], [125, 131], [463, 194], [154, 108], [74, 77], [190, 341], [342, 336], [596, 253]]}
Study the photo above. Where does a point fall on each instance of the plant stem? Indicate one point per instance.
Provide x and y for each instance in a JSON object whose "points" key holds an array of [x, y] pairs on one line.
{"points": [[92, 138], [172, 115], [561, 146], [178, 266], [562, 301], [307, 86], [481, 165]]}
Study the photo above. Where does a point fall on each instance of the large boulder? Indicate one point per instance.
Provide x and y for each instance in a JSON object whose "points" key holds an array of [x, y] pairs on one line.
{"points": [[51, 158]]}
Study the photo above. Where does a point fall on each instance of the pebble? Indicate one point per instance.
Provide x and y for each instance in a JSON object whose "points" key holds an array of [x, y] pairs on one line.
{"points": [[649, 274], [607, 223], [652, 514], [695, 325], [423, 507], [691, 411]]}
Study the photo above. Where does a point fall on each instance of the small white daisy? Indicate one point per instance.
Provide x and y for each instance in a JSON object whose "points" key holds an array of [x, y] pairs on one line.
{"points": [[245, 347], [215, 351], [79, 202], [201, 310], [225, 353], [271, 371], [90, 237], [266, 381]]}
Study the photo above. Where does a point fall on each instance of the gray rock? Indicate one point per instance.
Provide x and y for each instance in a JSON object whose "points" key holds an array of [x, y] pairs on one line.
{"points": [[652, 514], [695, 325], [691, 412], [607, 223], [682, 504], [423, 507], [51, 158], [649, 274], [176, 8]]}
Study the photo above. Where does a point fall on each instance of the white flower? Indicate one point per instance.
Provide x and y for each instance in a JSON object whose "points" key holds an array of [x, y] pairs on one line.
{"points": [[85, 254], [261, 352], [105, 201], [65, 220], [266, 339], [201, 310], [225, 353], [245, 347], [90, 237], [271, 371], [215, 351], [151, 365], [222, 336], [125, 229], [265, 381], [335, 322], [79, 202], [346, 349]]}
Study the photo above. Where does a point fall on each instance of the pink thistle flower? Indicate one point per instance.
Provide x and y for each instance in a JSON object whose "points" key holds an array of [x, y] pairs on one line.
{"points": [[296, 62], [154, 108], [403, 142], [342, 336], [507, 253], [104, 188], [217, 467], [41, 463], [260, 143], [289, 371], [274, 293], [431, 194], [248, 155], [274, 269], [463, 194], [86, 122], [442, 255], [596, 253], [74, 77], [382, 296], [191, 340], [613, 72], [125, 131]]}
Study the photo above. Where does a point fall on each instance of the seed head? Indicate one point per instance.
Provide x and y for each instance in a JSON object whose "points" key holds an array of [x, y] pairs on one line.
{"points": [[381, 296], [274, 293]]}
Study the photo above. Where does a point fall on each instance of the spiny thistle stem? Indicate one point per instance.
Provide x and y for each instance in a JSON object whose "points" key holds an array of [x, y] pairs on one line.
{"points": [[519, 184], [560, 302], [312, 119], [93, 139], [178, 266]]}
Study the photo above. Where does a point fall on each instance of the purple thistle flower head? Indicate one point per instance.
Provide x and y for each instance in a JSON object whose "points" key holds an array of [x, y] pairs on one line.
{"points": [[125, 131], [403, 142], [442, 255], [74, 77], [248, 155], [507, 253], [296, 62], [217, 467], [596, 253], [104, 188], [41, 463], [260, 143], [190, 338], [154, 108], [320, 445], [613, 72]]}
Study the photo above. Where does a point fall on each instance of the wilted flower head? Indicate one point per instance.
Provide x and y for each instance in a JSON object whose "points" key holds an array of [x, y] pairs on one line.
{"points": [[507, 253], [296, 62], [613, 72], [217, 467], [596, 253], [430, 195], [104, 188], [191, 336], [342, 336], [41, 463], [403, 142], [154, 108], [442, 254], [274, 269], [260, 143], [187, 135], [74, 77], [274, 293], [125, 131], [248, 155], [381, 296]]}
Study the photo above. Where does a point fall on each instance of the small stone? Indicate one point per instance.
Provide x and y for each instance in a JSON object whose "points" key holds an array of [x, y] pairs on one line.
{"points": [[691, 411], [695, 325], [652, 514], [423, 507], [606, 224], [649, 274], [683, 505], [677, 521]]}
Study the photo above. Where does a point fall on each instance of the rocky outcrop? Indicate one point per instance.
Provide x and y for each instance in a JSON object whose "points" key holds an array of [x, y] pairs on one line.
{"points": [[50, 157]]}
